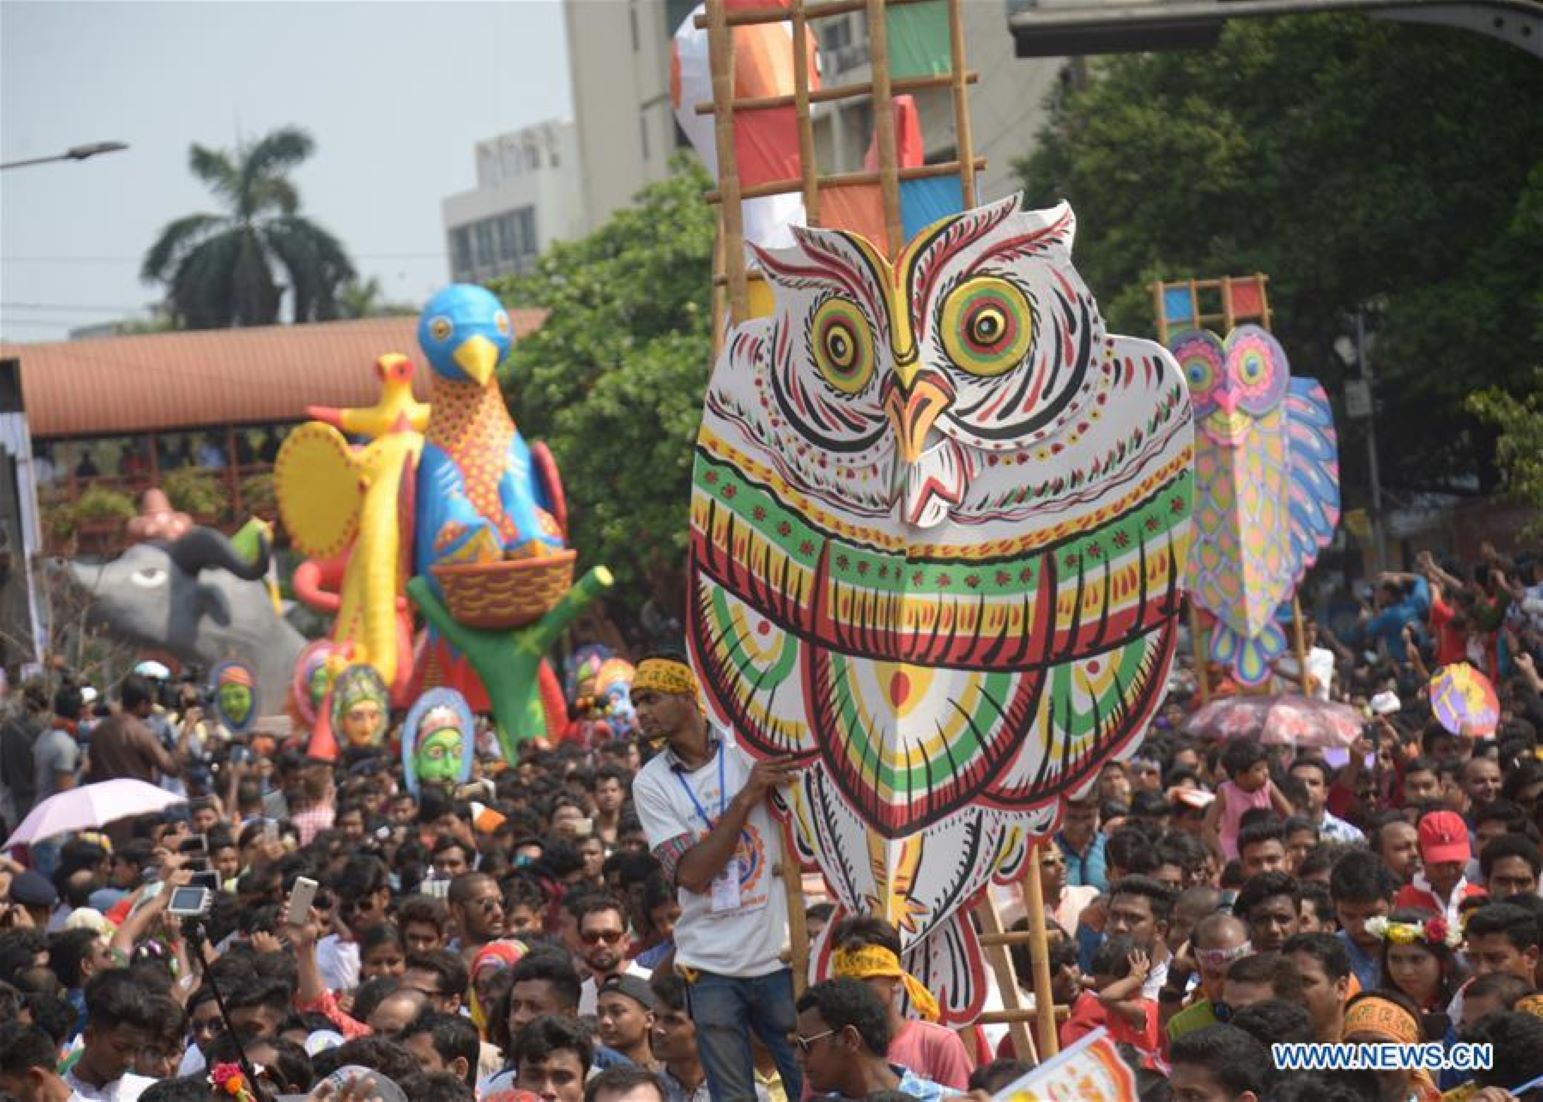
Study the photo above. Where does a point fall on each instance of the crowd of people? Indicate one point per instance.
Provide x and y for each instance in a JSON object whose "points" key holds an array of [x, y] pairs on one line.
{"points": [[574, 925]]}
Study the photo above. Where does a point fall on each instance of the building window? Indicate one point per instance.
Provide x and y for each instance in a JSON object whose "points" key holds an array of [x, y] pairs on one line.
{"points": [[643, 130], [484, 232], [835, 34], [524, 222], [506, 249], [510, 157], [460, 248]]}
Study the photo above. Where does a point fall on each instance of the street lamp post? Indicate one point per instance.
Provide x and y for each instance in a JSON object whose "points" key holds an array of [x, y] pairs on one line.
{"points": [[1379, 544], [74, 153], [1361, 405]]}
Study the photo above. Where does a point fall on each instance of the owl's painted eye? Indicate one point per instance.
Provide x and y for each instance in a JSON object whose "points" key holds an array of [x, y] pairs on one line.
{"points": [[1203, 362], [1258, 368], [1253, 369], [1201, 374], [843, 345], [440, 328], [986, 326]]}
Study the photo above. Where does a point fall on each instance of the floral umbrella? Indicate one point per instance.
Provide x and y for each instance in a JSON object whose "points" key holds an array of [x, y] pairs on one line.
{"points": [[1284, 719], [1464, 700]]}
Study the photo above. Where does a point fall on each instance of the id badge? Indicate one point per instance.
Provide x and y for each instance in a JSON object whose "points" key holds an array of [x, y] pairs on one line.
{"points": [[726, 889]]}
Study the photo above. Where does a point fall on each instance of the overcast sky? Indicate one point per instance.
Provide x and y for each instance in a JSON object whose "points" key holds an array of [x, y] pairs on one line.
{"points": [[395, 94]]}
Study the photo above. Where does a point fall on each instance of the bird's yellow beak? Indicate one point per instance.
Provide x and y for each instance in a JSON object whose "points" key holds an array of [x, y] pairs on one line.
{"points": [[477, 356], [913, 406]]}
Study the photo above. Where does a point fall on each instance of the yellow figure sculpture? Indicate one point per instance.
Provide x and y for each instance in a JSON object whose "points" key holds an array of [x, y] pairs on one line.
{"points": [[336, 499]]}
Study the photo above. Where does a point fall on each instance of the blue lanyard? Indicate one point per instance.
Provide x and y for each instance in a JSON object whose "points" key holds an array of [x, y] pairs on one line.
{"points": [[696, 803]]}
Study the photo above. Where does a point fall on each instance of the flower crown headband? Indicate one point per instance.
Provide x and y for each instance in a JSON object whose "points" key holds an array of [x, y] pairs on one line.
{"points": [[1433, 931], [228, 1079]]}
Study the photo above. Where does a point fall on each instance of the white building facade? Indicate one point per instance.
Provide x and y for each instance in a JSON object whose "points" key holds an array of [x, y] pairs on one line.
{"points": [[527, 196]]}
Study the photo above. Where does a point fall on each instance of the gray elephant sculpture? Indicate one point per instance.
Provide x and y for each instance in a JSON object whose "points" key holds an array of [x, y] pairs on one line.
{"points": [[199, 599]]}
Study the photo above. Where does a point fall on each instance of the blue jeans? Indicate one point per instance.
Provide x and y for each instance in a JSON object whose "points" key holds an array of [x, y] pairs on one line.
{"points": [[725, 1010]]}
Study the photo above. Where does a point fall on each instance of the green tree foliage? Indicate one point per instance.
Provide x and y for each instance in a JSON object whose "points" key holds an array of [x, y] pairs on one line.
{"points": [[218, 269], [1354, 161], [613, 379], [1519, 450], [365, 299]]}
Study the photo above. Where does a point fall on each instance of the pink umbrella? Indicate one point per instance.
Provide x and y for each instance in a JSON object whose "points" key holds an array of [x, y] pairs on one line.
{"points": [[91, 806], [1283, 720]]}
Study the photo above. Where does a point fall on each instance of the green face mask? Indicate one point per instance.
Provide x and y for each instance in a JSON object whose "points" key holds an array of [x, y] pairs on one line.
{"points": [[439, 756], [236, 702]]}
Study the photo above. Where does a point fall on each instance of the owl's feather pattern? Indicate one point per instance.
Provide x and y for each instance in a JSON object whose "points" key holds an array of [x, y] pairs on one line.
{"points": [[1267, 489], [1314, 449], [939, 521]]}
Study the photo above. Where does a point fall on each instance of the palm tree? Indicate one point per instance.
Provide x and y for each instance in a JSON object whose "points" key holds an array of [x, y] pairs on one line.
{"points": [[366, 299], [218, 269]]}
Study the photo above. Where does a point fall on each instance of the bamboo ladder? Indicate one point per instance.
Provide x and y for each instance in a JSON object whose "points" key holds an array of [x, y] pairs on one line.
{"points": [[1202, 293], [731, 306]]}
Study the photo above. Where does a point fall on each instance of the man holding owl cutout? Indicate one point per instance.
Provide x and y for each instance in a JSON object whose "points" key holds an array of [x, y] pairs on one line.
{"points": [[702, 802]]}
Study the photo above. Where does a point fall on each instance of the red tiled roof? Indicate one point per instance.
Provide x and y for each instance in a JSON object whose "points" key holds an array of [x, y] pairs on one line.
{"points": [[162, 381]]}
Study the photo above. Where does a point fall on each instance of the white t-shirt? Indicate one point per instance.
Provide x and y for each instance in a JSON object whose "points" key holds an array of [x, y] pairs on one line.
{"points": [[126, 1088], [589, 991], [339, 962], [744, 941], [1320, 670]]}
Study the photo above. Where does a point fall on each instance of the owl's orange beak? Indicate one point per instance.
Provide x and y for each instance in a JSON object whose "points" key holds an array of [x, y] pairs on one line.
{"points": [[913, 403]]}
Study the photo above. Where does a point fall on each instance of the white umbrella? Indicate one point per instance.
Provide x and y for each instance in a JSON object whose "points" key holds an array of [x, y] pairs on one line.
{"points": [[91, 806], [151, 668]]}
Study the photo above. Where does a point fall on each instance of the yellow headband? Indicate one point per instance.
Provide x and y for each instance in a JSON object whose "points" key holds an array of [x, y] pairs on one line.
{"points": [[1381, 1018], [1532, 1004], [664, 675], [875, 960]]}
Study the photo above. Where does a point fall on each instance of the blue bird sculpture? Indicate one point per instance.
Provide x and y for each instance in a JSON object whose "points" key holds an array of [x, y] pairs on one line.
{"points": [[481, 498]]}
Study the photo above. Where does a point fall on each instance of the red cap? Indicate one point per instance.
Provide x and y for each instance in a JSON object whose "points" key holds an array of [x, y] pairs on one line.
{"points": [[1443, 837]]}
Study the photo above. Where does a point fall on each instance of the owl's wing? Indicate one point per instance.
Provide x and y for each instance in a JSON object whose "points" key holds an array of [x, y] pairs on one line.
{"points": [[1314, 471]]}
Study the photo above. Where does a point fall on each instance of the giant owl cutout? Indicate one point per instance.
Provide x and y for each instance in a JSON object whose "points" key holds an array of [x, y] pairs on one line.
{"points": [[939, 524], [1266, 489]]}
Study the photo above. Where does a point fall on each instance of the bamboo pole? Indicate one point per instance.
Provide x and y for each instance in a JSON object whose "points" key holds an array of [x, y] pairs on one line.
{"points": [[1007, 980], [719, 305], [720, 49], [792, 874], [1197, 645], [884, 125], [839, 91], [747, 17], [806, 165], [964, 141], [1039, 953], [1299, 641], [846, 179], [1006, 1017]]}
